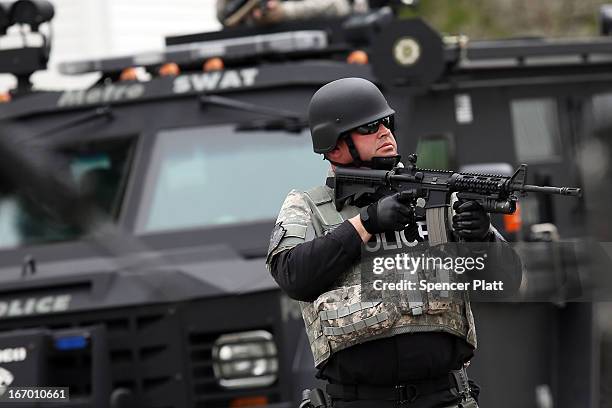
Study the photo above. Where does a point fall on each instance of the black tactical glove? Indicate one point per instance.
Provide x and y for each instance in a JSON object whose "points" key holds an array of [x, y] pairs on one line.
{"points": [[390, 213], [471, 222]]}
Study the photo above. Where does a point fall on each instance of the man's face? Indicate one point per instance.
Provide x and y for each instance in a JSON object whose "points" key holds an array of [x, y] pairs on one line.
{"points": [[379, 144]]}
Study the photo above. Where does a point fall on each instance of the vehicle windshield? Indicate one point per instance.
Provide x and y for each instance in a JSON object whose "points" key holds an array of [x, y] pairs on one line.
{"points": [[98, 171], [217, 175]]}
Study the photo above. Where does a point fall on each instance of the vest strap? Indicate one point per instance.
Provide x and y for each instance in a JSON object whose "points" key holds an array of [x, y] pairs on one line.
{"points": [[359, 325], [295, 230], [319, 195], [347, 310], [414, 297], [322, 202]]}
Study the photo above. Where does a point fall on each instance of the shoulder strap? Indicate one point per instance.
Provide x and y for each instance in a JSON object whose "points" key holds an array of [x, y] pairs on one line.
{"points": [[322, 202], [319, 195]]}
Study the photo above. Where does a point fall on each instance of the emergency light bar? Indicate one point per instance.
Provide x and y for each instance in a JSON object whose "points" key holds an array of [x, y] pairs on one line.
{"points": [[195, 53]]}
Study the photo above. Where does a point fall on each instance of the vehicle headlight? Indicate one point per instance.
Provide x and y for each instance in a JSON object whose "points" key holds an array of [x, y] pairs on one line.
{"points": [[247, 359]]}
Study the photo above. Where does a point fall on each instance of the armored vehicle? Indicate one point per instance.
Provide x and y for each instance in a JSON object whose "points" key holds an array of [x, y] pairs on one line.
{"points": [[162, 300]]}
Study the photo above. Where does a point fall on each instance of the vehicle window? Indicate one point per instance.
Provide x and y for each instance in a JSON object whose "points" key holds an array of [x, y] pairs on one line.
{"points": [[601, 107], [216, 175], [99, 173], [436, 151], [536, 129]]}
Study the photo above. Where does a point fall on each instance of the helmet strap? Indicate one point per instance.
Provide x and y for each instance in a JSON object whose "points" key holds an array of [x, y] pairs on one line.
{"points": [[357, 162]]}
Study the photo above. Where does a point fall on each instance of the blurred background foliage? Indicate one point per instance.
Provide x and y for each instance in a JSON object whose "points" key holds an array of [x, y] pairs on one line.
{"points": [[487, 19]]}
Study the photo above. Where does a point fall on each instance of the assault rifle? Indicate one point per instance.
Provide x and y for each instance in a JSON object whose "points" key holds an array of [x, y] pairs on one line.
{"points": [[433, 190]]}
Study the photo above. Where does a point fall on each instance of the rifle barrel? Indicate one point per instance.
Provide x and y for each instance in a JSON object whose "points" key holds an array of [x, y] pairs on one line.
{"points": [[568, 191]]}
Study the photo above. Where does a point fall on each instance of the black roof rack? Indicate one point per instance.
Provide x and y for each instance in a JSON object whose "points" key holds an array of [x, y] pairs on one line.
{"points": [[531, 51]]}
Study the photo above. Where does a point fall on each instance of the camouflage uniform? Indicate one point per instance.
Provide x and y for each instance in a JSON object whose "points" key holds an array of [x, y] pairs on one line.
{"points": [[304, 9], [339, 318]]}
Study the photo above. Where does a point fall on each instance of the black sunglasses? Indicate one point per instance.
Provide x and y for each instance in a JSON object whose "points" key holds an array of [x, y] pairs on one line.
{"points": [[372, 127]]}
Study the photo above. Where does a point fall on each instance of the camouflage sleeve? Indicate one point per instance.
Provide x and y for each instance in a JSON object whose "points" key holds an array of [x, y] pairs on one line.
{"points": [[293, 225], [296, 10]]}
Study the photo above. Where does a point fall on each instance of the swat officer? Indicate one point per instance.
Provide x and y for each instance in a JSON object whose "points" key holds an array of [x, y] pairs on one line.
{"points": [[415, 358]]}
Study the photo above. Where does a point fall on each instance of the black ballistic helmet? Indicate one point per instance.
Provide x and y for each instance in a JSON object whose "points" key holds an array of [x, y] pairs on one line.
{"points": [[342, 105]]}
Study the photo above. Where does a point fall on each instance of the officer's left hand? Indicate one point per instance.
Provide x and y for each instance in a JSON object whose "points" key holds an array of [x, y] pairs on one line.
{"points": [[471, 222]]}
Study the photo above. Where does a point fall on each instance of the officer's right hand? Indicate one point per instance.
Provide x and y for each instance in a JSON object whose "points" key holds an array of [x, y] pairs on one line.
{"points": [[391, 213]]}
